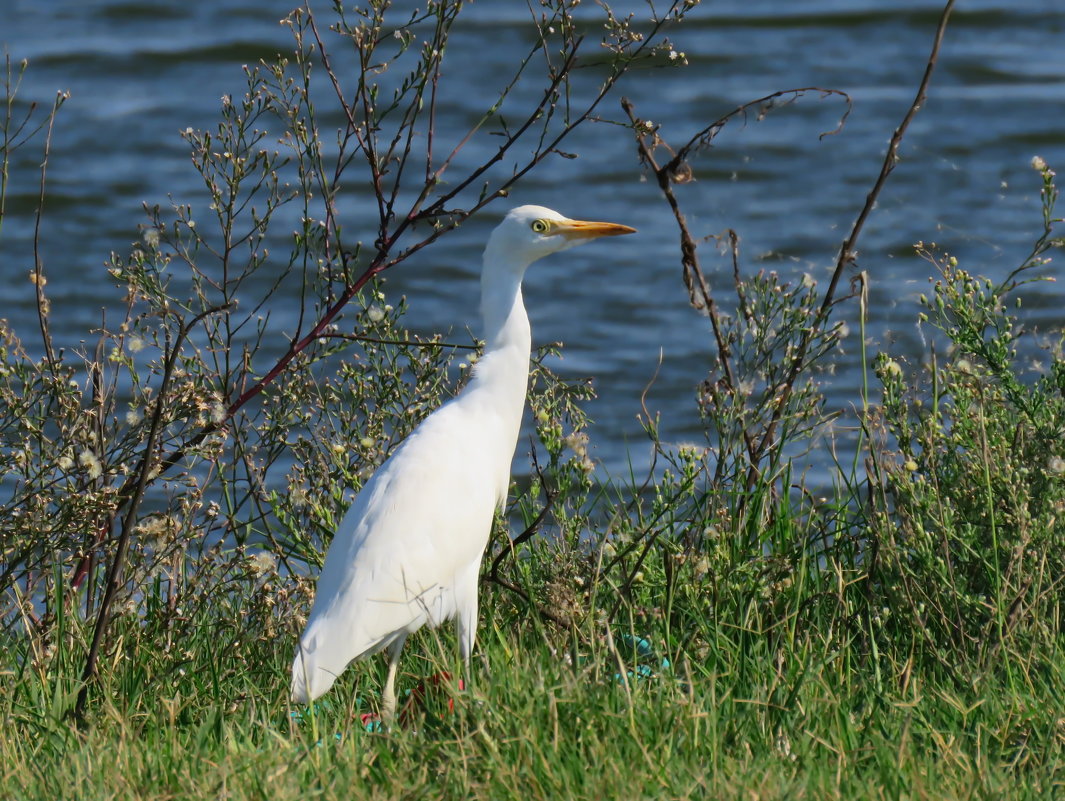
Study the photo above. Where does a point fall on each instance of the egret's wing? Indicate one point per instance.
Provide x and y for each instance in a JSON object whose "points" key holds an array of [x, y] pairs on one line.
{"points": [[421, 521]]}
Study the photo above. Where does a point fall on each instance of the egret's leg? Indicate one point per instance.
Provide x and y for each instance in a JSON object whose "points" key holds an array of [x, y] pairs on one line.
{"points": [[466, 629], [388, 696]]}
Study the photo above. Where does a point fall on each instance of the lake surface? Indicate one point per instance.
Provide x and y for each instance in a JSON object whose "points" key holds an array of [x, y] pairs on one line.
{"points": [[140, 73]]}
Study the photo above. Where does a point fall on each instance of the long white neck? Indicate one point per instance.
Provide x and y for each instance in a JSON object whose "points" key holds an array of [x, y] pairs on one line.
{"points": [[505, 323], [503, 370]]}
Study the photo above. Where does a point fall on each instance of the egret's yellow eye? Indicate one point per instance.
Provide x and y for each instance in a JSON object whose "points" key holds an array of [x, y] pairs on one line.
{"points": [[541, 226]]}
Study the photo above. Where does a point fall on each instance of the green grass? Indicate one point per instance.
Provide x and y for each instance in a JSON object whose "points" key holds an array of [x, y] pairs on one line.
{"points": [[762, 714]]}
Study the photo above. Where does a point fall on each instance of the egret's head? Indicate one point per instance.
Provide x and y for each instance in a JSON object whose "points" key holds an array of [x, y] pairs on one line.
{"points": [[529, 233]]}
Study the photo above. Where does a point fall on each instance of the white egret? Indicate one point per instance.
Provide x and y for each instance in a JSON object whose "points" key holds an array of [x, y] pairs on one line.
{"points": [[408, 552]]}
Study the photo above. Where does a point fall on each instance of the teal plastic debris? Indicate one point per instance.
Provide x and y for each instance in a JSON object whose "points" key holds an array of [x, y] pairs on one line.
{"points": [[370, 720], [630, 645], [301, 716]]}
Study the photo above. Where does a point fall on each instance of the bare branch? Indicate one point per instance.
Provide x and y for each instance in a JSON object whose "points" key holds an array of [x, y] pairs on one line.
{"points": [[847, 254]]}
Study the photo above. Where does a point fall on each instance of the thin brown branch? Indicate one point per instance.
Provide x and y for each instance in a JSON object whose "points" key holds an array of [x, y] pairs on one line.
{"points": [[38, 262], [403, 343], [704, 137], [698, 288], [848, 254], [511, 545], [142, 476]]}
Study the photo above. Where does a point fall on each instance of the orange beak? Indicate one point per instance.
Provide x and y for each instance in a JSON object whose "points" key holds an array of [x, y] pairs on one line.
{"points": [[580, 229]]}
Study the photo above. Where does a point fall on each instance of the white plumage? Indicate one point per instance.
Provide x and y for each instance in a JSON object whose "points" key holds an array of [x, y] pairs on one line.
{"points": [[408, 551]]}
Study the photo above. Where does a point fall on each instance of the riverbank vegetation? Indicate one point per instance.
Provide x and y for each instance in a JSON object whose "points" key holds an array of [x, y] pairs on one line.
{"points": [[711, 628]]}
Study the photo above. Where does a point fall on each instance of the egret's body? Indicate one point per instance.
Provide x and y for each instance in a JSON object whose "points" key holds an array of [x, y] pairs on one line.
{"points": [[408, 551]]}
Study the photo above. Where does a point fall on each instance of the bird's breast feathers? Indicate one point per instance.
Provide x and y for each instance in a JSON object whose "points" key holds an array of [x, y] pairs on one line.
{"points": [[425, 516]]}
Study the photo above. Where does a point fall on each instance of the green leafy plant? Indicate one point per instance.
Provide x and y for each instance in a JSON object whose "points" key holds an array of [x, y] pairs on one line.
{"points": [[970, 493]]}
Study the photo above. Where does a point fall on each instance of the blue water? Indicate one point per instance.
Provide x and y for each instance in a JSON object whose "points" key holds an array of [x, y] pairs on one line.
{"points": [[140, 73]]}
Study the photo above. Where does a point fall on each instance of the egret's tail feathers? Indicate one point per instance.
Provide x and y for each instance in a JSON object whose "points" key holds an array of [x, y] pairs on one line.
{"points": [[309, 679], [322, 655]]}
